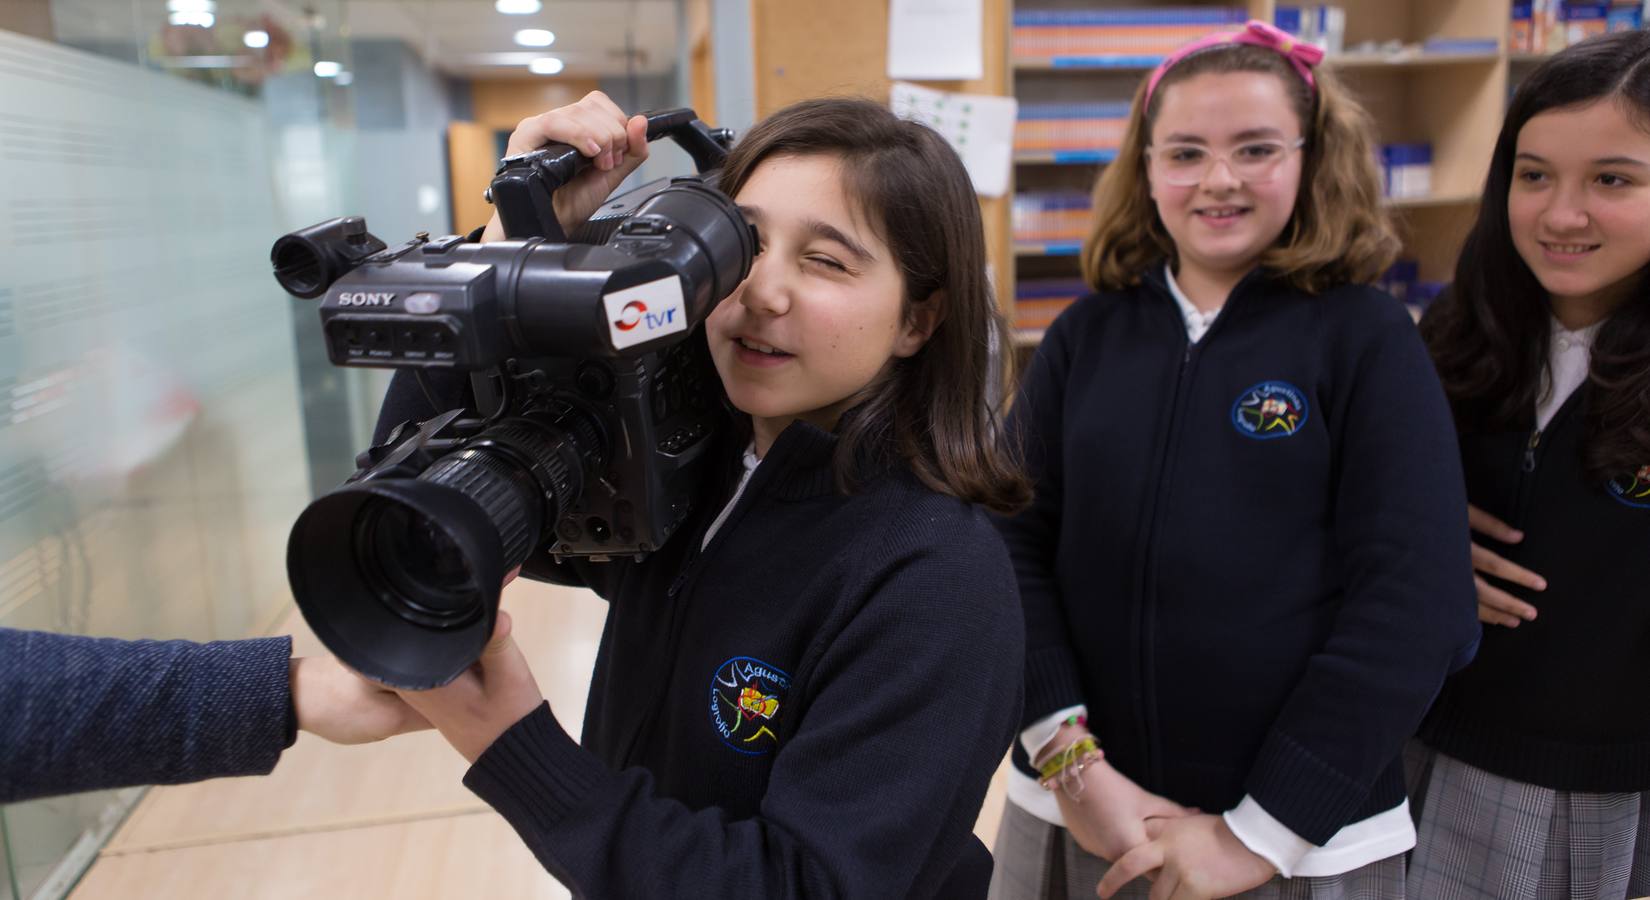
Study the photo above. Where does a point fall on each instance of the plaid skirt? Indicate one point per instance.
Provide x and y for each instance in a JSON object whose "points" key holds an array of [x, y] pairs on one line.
{"points": [[1039, 861], [1484, 836]]}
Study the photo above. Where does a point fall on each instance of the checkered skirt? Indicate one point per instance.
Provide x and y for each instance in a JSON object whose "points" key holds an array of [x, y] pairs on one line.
{"points": [[1484, 836]]}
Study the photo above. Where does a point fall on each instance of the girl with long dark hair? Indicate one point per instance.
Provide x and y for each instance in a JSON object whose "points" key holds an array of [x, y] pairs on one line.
{"points": [[1532, 781]]}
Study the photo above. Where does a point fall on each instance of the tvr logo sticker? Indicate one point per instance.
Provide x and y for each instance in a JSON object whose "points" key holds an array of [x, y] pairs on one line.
{"points": [[635, 313], [645, 312]]}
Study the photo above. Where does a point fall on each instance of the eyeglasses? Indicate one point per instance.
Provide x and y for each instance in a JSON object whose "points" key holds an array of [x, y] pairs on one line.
{"points": [[1184, 165]]}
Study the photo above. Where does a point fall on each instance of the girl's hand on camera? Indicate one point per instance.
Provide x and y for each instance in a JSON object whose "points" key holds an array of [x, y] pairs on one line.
{"points": [[596, 127], [344, 708], [481, 704], [1495, 606]]}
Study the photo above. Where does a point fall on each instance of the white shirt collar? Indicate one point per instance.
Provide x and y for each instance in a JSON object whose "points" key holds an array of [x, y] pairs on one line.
{"points": [[1197, 321], [1564, 338]]}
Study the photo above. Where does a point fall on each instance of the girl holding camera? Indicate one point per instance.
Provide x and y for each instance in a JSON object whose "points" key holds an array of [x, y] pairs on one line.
{"points": [[806, 691], [1534, 777], [1244, 573]]}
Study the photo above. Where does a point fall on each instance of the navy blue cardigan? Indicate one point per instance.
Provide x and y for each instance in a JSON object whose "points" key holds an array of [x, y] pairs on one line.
{"points": [[1563, 701], [1247, 556]]}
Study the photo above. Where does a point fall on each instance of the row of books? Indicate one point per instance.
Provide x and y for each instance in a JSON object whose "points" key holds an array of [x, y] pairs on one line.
{"points": [[1050, 217], [1119, 36], [1038, 302], [1548, 26], [1056, 127]]}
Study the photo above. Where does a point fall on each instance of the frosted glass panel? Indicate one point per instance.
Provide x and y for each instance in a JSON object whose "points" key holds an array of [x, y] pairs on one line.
{"points": [[152, 442]]}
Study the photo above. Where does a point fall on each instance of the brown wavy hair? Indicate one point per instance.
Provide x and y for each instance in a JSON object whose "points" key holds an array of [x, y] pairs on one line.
{"points": [[938, 409], [1488, 335], [1339, 232]]}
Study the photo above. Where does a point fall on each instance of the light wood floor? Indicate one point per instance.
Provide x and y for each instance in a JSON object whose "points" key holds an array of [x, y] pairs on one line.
{"points": [[380, 820]]}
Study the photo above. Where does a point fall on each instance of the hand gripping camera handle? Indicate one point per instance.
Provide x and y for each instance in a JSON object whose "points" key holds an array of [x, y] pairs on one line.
{"points": [[523, 185]]}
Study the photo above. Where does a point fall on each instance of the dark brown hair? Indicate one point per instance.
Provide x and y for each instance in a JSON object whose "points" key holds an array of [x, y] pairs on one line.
{"points": [[1339, 232], [936, 410], [1489, 334]]}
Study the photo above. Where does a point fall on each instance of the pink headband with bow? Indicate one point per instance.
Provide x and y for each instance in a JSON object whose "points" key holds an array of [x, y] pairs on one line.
{"points": [[1301, 55]]}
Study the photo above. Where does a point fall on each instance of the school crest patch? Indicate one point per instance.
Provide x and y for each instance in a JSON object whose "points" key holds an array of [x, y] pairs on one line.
{"points": [[1632, 488], [746, 698], [1271, 409]]}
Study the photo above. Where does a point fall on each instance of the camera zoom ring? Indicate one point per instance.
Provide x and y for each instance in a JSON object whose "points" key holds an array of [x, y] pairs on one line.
{"points": [[496, 485], [553, 456]]}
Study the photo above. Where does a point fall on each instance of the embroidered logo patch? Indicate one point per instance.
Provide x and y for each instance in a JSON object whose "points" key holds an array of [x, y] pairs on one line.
{"points": [[745, 699], [1271, 409], [1632, 489]]}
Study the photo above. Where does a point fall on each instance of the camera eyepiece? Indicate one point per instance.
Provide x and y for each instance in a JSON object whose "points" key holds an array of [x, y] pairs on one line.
{"points": [[309, 260]]}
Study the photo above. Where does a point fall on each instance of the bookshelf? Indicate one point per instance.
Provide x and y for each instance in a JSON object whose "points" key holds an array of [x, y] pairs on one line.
{"points": [[1434, 72]]}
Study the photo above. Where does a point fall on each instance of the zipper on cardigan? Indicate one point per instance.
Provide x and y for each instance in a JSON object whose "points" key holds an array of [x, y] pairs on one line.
{"points": [[1148, 562], [1529, 450], [1147, 623]]}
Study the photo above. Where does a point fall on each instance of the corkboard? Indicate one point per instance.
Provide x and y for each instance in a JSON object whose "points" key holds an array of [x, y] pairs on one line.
{"points": [[839, 47]]}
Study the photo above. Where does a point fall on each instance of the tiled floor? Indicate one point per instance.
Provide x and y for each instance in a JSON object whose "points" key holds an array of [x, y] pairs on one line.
{"points": [[382, 820]]}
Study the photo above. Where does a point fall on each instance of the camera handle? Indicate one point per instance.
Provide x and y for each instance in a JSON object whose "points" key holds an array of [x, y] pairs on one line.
{"points": [[524, 183]]}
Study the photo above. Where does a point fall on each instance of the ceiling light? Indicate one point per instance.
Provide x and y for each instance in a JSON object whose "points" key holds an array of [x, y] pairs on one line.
{"points": [[535, 37], [257, 40], [178, 6], [193, 17], [326, 68], [545, 65], [518, 7]]}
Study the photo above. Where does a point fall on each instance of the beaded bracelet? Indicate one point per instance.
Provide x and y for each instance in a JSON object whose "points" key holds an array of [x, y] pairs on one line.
{"points": [[1065, 767]]}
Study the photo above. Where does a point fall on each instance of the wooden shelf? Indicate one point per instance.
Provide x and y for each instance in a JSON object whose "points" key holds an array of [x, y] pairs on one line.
{"points": [[1461, 199], [1065, 157], [1088, 64], [1047, 248], [1408, 60], [1452, 98], [1338, 61]]}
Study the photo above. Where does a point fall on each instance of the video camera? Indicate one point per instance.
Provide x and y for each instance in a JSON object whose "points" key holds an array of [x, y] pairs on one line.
{"points": [[596, 399]]}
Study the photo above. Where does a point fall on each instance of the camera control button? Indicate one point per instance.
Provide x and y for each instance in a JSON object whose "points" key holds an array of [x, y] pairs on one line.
{"points": [[443, 244], [644, 228], [422, 303]]}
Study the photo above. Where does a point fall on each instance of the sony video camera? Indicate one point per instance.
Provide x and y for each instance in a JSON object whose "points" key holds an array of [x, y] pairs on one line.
{"points": [[596, 400]]}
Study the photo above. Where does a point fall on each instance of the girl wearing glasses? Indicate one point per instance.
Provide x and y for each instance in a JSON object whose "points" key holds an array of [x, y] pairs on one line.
{"points": [[1245, 573], [1535, 780]]}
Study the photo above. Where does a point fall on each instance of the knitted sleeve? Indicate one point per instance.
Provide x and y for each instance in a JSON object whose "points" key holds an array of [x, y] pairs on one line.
{"points": [[1408, 610], [80, 713]]}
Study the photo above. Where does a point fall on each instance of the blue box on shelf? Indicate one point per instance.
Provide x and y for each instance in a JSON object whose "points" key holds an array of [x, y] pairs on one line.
{"points": [[1624, 17], [1287, 18]]}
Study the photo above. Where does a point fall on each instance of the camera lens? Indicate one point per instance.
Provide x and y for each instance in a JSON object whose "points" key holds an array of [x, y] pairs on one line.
{"points": [[400, 577], [421, 573]]}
